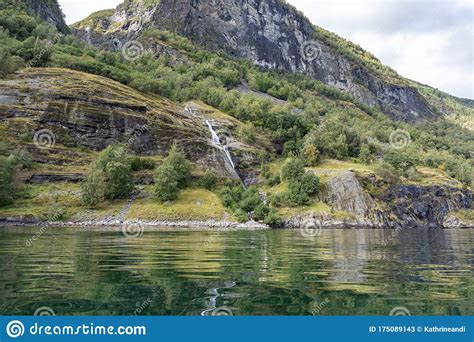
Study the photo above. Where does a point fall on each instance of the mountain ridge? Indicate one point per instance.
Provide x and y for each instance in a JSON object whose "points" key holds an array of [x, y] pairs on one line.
{"points": [[271, 34]]}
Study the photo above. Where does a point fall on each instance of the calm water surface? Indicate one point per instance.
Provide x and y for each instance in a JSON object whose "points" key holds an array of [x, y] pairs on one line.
{"points": [[341, 272]]}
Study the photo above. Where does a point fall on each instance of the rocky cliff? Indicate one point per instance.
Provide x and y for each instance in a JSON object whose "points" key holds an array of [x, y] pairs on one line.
{"points": [[90, 113], [50, 12], [271, 34], [401, 206], [427, 206]]}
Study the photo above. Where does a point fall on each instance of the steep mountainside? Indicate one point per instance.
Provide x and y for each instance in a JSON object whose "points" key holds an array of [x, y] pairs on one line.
{"points": [[50, 12], [289, 119], [270, 34], [91, 112]]}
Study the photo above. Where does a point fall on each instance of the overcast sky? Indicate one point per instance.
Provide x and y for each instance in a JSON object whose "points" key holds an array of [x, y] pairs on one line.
{"points": [[430, 41]]}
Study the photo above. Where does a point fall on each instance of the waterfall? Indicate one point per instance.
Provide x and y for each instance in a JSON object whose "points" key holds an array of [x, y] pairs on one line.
{"points": [[217, 142]]}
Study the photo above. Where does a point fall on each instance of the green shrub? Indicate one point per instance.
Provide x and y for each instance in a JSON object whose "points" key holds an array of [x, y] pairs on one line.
{"points": [[58, 214], [209, 181], [274, 180], [109, 177], [365, 155], [247, 133], [166, 183], [93, 187], [250, 199], [293, 169], [139, 164], [387, 172], [273, 219], [247, 203], [7, 169], [401, 160], [172, 175], [24, 159]]}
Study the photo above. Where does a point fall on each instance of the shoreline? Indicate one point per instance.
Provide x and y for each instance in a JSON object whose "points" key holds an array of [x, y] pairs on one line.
{"points": [[137, 225]]}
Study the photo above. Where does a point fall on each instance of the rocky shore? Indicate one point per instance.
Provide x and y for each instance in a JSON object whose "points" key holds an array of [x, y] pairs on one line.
{"points": [[309, 222]]}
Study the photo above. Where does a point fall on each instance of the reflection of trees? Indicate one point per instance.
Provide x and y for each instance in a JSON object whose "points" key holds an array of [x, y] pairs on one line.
{"points": [[274, 272]]}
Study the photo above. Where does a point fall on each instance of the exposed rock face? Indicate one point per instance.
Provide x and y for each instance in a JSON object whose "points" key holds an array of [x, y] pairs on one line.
{"points": [[271, 34], [50, 12], [427, 206], [404, 206], [91, 112], [49, 178], [345, 193]]}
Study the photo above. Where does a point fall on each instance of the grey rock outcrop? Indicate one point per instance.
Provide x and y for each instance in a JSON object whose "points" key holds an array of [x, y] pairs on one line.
{"points": [[345, 193], [50, 12], [427, 206]]}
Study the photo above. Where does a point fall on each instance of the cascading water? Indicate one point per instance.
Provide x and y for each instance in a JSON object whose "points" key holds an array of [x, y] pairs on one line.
{"points": [[217, 142]]}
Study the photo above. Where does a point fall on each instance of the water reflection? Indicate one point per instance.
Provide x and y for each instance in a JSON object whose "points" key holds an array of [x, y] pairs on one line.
{"points": [[342, 272]]}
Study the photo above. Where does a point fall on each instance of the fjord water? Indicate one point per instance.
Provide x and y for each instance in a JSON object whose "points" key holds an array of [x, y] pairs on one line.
{"points": [[279, 272]]}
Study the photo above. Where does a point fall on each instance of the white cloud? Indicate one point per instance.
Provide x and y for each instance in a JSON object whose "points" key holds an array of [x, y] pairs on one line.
{"points": [[430, 41], [76, 10], [427, 41]]}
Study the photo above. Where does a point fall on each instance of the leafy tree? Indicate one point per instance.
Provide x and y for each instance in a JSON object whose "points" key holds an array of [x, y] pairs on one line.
{"points": [[401, 160], [166, 183], [109, 177], [311, 155], [93, 187], [172, 175]]}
